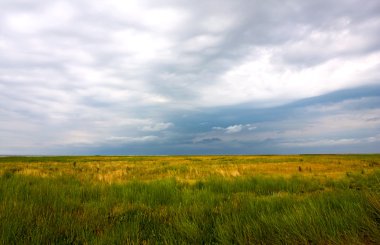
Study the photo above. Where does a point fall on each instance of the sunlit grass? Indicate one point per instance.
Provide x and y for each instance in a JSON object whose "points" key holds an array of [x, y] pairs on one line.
{"points": [[190, 168], [307, 199]]}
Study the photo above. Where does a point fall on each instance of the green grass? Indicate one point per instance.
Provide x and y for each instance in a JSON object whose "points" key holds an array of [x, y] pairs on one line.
{"points": [[56, 206]]}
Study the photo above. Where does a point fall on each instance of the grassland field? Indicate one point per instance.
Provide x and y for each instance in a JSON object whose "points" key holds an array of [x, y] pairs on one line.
{"points": [[289, 199]]}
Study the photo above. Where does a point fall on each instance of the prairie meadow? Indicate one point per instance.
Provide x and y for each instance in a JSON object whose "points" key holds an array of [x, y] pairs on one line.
{"points": [[289, 199]]}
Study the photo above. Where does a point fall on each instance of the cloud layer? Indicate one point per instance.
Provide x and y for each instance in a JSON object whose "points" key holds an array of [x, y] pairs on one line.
{"points": [[178, 77]]}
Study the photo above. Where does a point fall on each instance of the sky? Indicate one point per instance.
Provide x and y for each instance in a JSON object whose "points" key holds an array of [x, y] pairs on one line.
{"points": [[164, 77]]}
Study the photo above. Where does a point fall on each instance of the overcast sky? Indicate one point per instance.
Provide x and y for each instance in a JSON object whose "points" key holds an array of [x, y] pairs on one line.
{"points": [[189, 77]]}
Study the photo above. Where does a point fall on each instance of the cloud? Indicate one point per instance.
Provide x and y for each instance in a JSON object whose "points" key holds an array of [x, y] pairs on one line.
{"points": [[259, 78], [200, 43], [236, 128], [209, 141], [331, 142], [157, 127], [302, 126], [79, 73], [126, 139]]}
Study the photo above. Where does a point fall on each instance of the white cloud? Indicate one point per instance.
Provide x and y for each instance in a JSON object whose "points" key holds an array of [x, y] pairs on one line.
{"points": [[142, 46], [143, 13], [260, 79], [52, 16], [201, 42], [165, 19], [219, 24], [319, 45], [23, 22], [157, 126], [235, 128]]}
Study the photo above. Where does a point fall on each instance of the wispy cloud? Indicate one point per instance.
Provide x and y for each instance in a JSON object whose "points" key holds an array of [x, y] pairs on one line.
{"points": [[126, 139], [157, 126], [332, 142], [236, 128]]}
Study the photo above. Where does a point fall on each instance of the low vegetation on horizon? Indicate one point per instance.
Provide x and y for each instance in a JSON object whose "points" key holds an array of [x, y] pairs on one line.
{"points": [[293, 199]]}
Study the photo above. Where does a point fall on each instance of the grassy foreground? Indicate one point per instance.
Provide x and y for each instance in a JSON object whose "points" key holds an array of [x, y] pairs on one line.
{"points": [[308, 199]]}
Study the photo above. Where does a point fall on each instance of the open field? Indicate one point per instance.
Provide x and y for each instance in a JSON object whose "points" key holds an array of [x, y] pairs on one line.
{"points": [[306, 199]]}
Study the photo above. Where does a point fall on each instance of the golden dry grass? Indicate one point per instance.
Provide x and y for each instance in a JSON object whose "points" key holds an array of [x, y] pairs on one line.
{"points": [[333, 199], [110, 169]]}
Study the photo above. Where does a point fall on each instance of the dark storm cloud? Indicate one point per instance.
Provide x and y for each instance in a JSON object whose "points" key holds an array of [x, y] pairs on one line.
{"points": [[346, 118]]}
